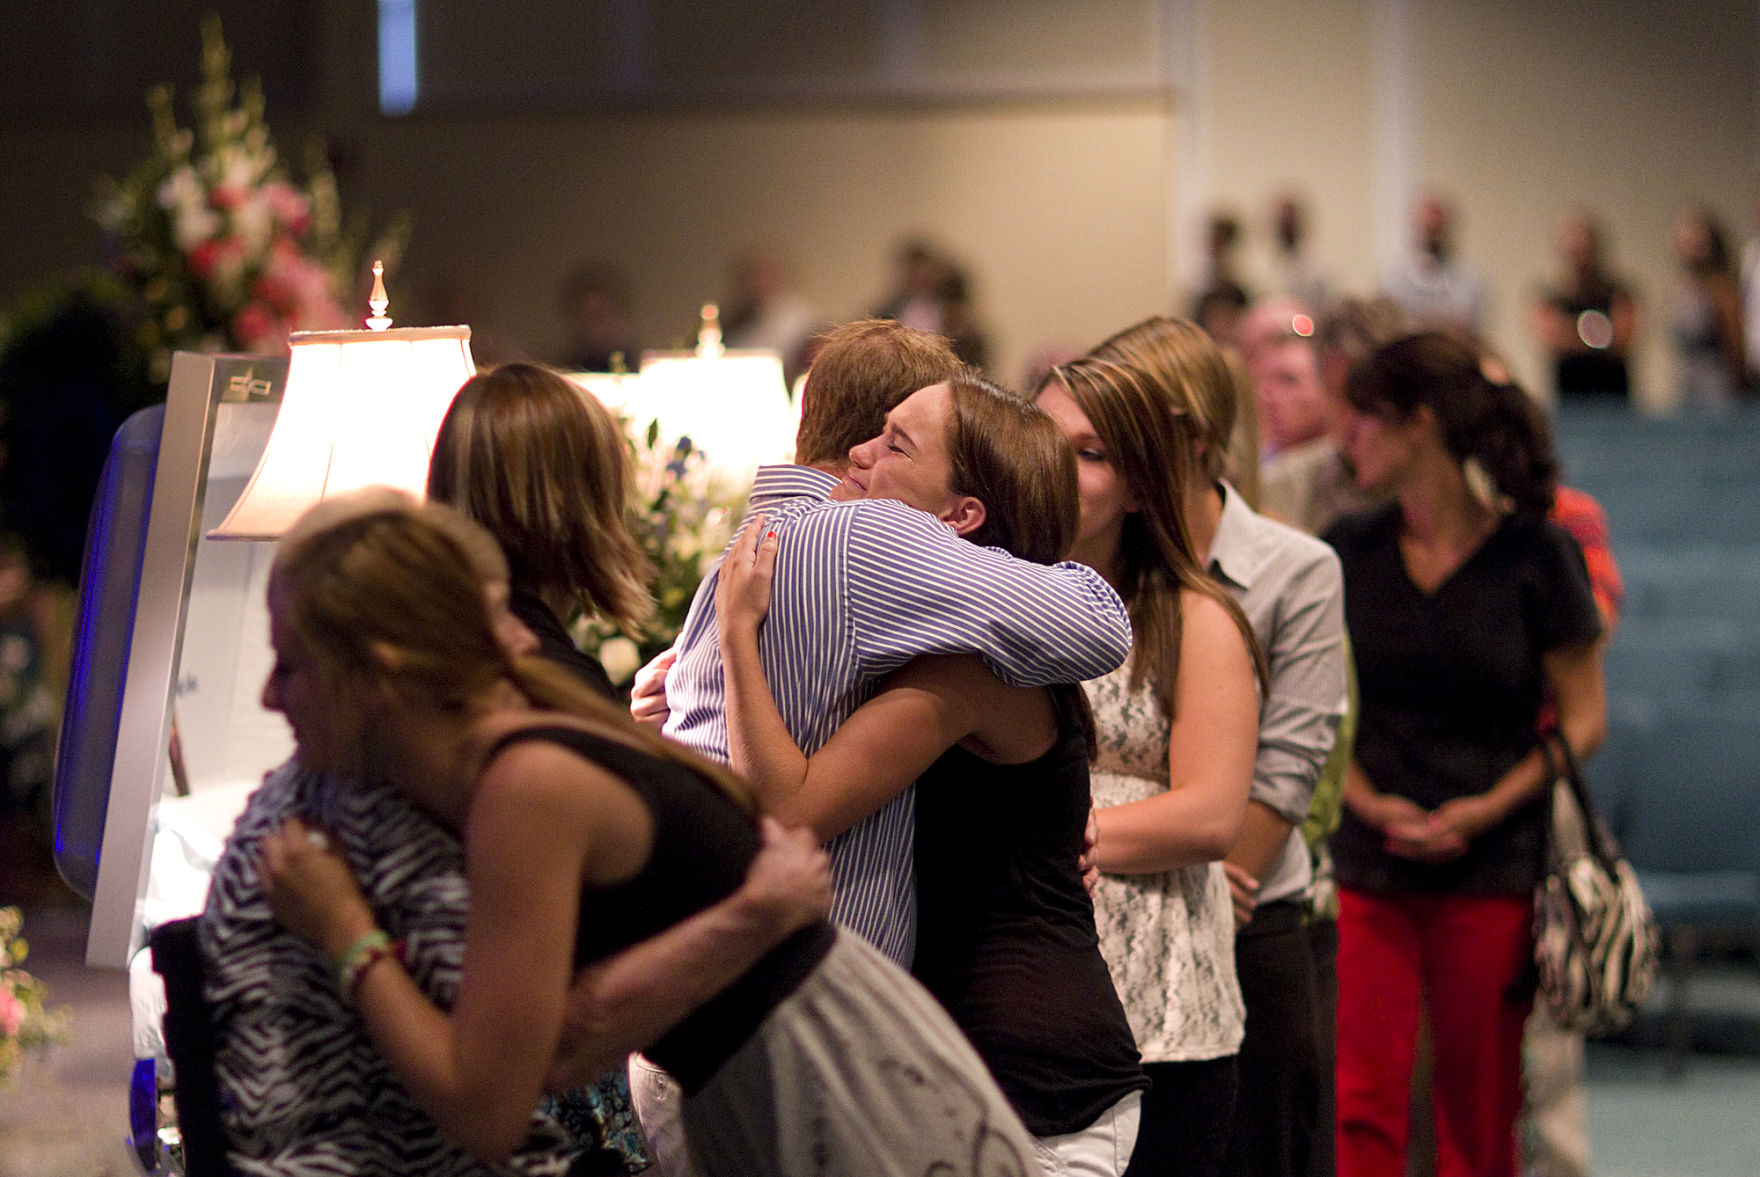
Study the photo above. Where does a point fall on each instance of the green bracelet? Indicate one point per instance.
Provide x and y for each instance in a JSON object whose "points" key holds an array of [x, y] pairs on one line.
{"points": [[358, 957]]}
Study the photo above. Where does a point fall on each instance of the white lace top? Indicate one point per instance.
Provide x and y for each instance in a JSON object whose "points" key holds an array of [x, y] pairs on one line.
{"points": [[1168, 938]]}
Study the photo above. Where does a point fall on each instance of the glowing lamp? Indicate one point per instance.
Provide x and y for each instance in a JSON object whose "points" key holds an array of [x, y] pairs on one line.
{"points": [[733, 405], [361, 408]]}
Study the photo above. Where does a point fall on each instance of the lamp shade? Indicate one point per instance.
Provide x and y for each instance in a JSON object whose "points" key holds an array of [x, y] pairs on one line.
{"points": [[733, 406], [361, 408]]}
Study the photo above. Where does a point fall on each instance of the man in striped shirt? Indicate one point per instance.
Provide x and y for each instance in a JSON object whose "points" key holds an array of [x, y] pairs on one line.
{"points": [[862, 588]]}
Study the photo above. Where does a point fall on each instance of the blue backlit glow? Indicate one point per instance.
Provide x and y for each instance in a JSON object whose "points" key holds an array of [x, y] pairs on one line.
{"points": [[397, 56]]}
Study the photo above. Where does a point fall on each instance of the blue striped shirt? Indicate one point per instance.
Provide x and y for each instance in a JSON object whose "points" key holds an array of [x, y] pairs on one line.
{"points": [[862, 588]]}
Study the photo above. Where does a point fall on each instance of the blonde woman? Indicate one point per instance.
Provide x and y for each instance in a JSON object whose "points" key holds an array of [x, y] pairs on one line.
{"points": [[585, 837]]}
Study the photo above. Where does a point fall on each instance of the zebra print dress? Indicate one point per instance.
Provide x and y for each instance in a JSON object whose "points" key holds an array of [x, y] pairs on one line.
{"points": [[304, 1092]]}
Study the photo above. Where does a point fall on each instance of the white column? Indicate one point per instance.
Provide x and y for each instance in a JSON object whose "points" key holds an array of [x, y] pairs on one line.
{"points": [[1396, 123], [1185, 33]]}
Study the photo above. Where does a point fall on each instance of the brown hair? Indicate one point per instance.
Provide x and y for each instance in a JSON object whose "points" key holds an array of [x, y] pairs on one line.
{"points": [[860, 372], [1354, 327], [1148, 436], [1008, 453], [1191, 370], [393, 597], [1493, 423], [539, 462]]}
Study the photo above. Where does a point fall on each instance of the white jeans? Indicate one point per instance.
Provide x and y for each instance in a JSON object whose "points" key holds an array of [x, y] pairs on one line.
{"points": [[1102, 1149], [659, 1105]]}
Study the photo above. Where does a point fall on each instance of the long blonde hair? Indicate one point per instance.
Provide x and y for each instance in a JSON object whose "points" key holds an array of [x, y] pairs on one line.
{"points": [[391, 595], [1193, 371], [1208, 381]]}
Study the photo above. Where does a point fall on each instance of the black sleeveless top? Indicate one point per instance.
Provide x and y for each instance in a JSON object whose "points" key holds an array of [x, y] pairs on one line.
{"points": [[701, 850], [1005, 936], [555, 644]]}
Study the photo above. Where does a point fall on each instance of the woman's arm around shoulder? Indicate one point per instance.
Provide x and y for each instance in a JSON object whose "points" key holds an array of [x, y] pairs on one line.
{"points": [[628, 1000], [1210, 754], [924, 708], [875, 753], [542, 821]]}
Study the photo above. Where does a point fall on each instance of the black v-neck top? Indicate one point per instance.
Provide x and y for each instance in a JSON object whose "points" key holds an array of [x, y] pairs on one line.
{"points": [[1451, 684]]}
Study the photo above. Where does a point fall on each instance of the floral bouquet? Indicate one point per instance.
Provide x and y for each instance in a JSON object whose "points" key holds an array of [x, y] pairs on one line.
{"points": [[223, 249], [25, 1025], [684, 515]]}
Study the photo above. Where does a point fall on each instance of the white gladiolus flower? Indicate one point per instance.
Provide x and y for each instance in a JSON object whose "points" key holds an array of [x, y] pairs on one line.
{"points": [[180, 189], [184, 197], [194, 225], [254, 223]]}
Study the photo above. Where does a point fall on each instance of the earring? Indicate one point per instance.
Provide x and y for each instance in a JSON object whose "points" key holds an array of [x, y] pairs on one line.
{"points": [[1483, 487]]}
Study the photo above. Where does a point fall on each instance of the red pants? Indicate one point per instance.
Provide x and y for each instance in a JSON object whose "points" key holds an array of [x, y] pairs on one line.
{"points": [[1463, 952]]}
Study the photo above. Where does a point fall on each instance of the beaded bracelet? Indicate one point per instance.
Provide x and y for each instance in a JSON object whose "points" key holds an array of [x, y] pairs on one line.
{"points": [[360, 956]]}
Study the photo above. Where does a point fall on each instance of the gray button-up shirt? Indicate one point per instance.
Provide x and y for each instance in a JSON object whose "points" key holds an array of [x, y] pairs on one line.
{"points": [[1290, 587]]}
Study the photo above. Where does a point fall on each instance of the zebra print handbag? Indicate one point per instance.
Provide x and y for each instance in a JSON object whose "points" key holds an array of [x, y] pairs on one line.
{"points": [[1595, 940]]}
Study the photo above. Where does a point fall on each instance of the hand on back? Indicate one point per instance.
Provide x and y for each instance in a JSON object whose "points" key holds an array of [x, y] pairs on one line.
{"points": [[742, 588], [647, 696]]}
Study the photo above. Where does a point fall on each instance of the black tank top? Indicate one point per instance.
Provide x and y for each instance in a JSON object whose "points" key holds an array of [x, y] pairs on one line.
{"points": [[702, 847], [1005, 935]]}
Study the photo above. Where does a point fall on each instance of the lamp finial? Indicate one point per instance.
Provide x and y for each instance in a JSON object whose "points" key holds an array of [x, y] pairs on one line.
{"points": [[709, 335], [378, 321]]}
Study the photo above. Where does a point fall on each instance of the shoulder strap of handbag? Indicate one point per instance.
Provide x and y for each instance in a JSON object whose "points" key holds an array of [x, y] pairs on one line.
{"points": [[1595, 832]]}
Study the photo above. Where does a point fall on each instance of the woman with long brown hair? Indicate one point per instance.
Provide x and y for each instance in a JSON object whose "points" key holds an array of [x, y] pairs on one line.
{"points": [[1006, 937], [1291, 591], [543, 466], [1177, 727]]}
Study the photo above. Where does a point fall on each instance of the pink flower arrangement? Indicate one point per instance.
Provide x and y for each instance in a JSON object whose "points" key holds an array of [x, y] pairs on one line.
{"points": [[223, 249], [26, 1026], [257, 328], [11, 1013]]}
